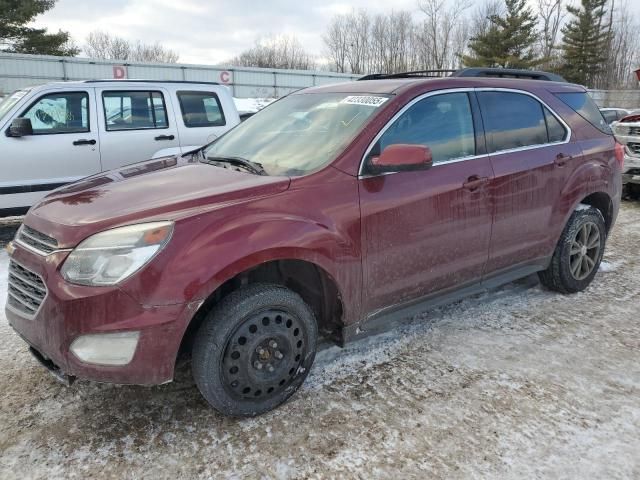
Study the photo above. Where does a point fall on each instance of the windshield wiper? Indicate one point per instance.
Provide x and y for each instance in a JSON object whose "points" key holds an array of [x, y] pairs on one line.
{"points": [[253, 167]]}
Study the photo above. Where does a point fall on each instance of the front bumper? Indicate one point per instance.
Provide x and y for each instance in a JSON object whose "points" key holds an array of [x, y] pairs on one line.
{"points": [[69, 311]]}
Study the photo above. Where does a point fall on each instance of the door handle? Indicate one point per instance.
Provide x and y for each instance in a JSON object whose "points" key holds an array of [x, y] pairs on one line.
{"points": [[474, 182], [84, 141], [165, 137], [562, 159]]}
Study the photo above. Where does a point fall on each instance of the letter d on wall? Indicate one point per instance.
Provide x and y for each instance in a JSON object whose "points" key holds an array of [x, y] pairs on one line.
{"points": [[119, 72]]}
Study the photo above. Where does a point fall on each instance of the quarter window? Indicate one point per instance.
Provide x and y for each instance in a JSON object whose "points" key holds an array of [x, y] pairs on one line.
{"points": [[512, 120], [134, 110], [65, 112], [441, 122], [201, 109], [584, 106]]}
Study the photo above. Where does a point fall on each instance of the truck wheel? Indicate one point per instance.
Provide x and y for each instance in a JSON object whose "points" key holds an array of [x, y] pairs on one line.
{"points": [[254, 349], [578, 254]]}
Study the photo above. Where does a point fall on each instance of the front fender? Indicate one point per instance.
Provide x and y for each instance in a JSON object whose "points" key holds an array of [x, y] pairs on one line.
{"points": [[318, 224]]}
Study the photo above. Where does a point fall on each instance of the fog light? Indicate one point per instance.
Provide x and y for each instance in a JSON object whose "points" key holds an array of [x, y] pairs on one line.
{"points": [[106, 348]]}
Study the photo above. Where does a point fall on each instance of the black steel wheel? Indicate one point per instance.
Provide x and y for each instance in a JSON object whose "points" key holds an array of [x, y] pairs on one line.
{"points": [[264, 354], [578, 253], [254, 350]]}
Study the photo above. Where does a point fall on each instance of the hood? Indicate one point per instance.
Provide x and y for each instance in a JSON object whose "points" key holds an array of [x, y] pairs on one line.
{"points": [[165, 188]]}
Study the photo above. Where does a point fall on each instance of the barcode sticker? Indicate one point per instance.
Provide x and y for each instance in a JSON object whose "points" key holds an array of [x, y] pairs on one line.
{"points": [[368, 100]]}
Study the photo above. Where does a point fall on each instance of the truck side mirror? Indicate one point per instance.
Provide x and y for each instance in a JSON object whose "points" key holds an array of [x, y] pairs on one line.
{"points": [[20, 127]]}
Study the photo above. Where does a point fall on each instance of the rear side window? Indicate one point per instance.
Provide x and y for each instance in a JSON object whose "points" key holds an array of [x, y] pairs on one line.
{"points": [[134, 110], [582, 103], [441, 122], [512, 120], [201, 109], [64, 112]]}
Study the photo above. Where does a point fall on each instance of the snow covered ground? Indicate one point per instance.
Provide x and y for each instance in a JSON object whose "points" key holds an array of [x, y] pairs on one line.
{"points": [[515, 383]]}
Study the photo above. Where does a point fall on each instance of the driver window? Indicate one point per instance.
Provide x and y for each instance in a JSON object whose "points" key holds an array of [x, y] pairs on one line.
{"points": [[443, 123], [65, 112]]}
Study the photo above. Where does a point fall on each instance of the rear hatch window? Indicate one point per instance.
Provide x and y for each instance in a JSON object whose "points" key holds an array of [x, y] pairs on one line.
{"points": [[582, 103]]}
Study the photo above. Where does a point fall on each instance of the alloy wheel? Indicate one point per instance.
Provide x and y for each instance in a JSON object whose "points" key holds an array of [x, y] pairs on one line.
{"points": [[585, 251]]}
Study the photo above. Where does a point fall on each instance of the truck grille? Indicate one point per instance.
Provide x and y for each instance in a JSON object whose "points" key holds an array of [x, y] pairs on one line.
{"points": [[26, 290], [634, 147], [634, 131], [36, 240]]}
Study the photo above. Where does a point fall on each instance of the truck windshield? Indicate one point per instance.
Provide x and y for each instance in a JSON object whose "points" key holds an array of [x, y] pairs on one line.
{"points": [[8, 103], [298, 134]]}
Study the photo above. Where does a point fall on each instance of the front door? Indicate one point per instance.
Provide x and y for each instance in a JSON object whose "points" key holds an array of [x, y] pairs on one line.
{"points": [[64, 147], [426, 231]]}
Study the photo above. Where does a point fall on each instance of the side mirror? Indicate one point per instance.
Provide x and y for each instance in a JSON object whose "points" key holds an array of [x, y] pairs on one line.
{"points": [[20, 127], [400, 156]]}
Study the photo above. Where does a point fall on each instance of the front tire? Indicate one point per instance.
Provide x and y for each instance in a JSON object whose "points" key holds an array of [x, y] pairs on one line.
{"points": [[578, 253], [254, 349]]}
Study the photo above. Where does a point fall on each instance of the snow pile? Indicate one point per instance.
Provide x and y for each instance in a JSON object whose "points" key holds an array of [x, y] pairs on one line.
{"points": [[251, 105]]}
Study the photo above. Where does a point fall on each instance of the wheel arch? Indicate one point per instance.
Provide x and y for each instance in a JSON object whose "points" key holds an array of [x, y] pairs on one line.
{"points": [[317, 287]]}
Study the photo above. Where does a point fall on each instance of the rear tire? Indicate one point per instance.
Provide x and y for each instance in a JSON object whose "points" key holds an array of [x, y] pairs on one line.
{"points": [[254, 349], [578, 253]]}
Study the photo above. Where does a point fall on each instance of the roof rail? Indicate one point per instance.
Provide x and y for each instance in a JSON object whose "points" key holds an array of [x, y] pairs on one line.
{"points": [[508, 73], [192, 82], [412, 74], [470, 72]]}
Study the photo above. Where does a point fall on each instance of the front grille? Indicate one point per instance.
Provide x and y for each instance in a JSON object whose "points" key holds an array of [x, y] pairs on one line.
{"points": [[39, 241], [26, 290], [634, 147], [635, 131]]}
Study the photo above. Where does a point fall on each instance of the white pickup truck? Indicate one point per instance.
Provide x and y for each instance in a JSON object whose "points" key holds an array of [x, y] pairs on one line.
{"points": [[627, 132], [60, 132]]}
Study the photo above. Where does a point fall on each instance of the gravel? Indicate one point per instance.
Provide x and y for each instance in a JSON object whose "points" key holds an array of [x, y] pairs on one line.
{"points": [[514, 383]]}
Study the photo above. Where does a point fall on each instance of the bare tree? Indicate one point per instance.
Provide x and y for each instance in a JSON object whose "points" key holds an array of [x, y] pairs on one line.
{"points": [[358, 26], [441, 29], [624, 49], [104, 46], [276, 52], [551, 14], [337, 43]]}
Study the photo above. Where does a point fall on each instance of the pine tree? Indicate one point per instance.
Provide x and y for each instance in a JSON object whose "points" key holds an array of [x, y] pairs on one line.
{"points": [[585, 41], [16, 36], [509, 41]]}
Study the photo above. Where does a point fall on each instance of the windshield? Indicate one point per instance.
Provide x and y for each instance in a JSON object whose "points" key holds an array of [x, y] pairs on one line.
{"points": [[8, 103], [298, 134]]}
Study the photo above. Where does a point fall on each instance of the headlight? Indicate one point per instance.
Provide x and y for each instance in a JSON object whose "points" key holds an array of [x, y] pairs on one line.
{"points": [[109, 257]]}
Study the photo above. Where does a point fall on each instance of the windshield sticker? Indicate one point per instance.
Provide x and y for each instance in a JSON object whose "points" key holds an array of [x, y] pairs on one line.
{"points": [[368, 100]]}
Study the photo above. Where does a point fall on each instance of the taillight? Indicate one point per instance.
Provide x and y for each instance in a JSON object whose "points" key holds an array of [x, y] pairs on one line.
{"points": [[630, 119], [620, 154]]}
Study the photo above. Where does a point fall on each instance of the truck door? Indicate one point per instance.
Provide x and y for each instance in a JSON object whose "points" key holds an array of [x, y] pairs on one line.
{"points": [[134, 124], [63, 147]]}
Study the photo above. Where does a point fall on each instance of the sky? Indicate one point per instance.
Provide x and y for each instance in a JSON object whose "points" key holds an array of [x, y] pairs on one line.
{"points": [[207, 32]]}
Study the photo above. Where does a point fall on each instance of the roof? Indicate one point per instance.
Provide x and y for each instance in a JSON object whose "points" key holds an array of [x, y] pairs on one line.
{"points": [[84, 83], [399, 85]]}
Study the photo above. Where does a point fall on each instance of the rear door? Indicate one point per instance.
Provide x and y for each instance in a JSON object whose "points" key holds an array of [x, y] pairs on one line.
{"points": [[426, 230], [532, 156], [134, 124], [63, 148]]}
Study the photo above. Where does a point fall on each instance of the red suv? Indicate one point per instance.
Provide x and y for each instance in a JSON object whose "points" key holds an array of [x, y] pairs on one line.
{"points": [[331, 212]]}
